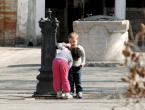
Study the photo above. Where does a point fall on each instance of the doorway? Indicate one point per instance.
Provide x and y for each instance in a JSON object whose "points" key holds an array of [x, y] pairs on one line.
{"points": [[78, 9]]}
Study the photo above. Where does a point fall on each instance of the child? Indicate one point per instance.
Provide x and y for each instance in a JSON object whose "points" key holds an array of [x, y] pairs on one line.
{"points": [[78, 64], [60, 67]]}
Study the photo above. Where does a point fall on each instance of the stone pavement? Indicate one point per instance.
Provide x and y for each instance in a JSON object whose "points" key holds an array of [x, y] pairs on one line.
{"points": [[103, 89]]}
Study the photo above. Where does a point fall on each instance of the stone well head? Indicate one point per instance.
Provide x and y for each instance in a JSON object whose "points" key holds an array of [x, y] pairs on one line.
{"points": [[102, 37]]}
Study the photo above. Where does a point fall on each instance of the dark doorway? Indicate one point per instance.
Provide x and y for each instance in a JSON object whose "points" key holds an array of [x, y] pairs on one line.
{"points": [[74, 13], [83, 9], [94, 7], [55, 3], [57, 7], [68, 11], [135, 3]]}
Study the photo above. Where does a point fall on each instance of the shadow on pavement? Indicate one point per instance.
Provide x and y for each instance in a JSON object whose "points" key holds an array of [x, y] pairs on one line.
{"points": [[24, 65]]}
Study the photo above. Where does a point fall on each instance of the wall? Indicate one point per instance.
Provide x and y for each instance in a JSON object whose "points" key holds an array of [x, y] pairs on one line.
{"points": [[8, 13], [29, 14], [31, 34], [40, 13], [22, 17], [36, 11]]}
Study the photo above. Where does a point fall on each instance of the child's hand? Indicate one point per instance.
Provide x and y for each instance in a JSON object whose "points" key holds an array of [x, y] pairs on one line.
{"points": [[82, 66], [68, 45]]}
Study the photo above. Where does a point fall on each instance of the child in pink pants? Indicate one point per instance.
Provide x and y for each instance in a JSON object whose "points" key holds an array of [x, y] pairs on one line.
{"points": [[60, 67]]}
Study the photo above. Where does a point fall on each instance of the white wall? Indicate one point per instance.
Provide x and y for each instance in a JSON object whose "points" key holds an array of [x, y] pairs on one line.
{"points": [[40, 13], [31, 34], [22, 16], [29, 12]]}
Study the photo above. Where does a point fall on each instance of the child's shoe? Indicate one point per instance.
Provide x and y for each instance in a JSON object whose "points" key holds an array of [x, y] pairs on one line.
{"points": [[59, 95], [73, 94], [67, 96], [79, 95]]}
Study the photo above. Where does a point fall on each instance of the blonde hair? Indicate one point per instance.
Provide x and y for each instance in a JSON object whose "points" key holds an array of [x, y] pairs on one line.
{"points": [[73, 35]]}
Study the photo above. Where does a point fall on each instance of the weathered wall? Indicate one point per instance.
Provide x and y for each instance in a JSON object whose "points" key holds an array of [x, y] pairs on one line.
{"points": [[29, 13], [31, 34], [22, 17], [1, 21], [40, 13], [36, 11], [8, 22]]}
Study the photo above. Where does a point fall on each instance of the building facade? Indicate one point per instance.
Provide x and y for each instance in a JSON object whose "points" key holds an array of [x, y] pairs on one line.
{"points": [[19, 18], [19, 22], [8, 21]]}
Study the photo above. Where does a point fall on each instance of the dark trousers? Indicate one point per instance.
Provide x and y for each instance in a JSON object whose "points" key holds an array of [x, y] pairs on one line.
{"points": [[75, 79]]}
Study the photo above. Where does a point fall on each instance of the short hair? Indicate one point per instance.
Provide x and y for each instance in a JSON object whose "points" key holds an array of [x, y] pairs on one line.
{"points": [[76, 53], [73, 35]]}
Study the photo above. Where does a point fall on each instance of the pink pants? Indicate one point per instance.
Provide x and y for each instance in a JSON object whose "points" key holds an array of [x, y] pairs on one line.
{"points": [[60, 71]]}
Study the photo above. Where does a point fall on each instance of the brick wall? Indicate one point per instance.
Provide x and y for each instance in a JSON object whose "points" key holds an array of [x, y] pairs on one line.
{"points": [[1, 22], [7, 22]]}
